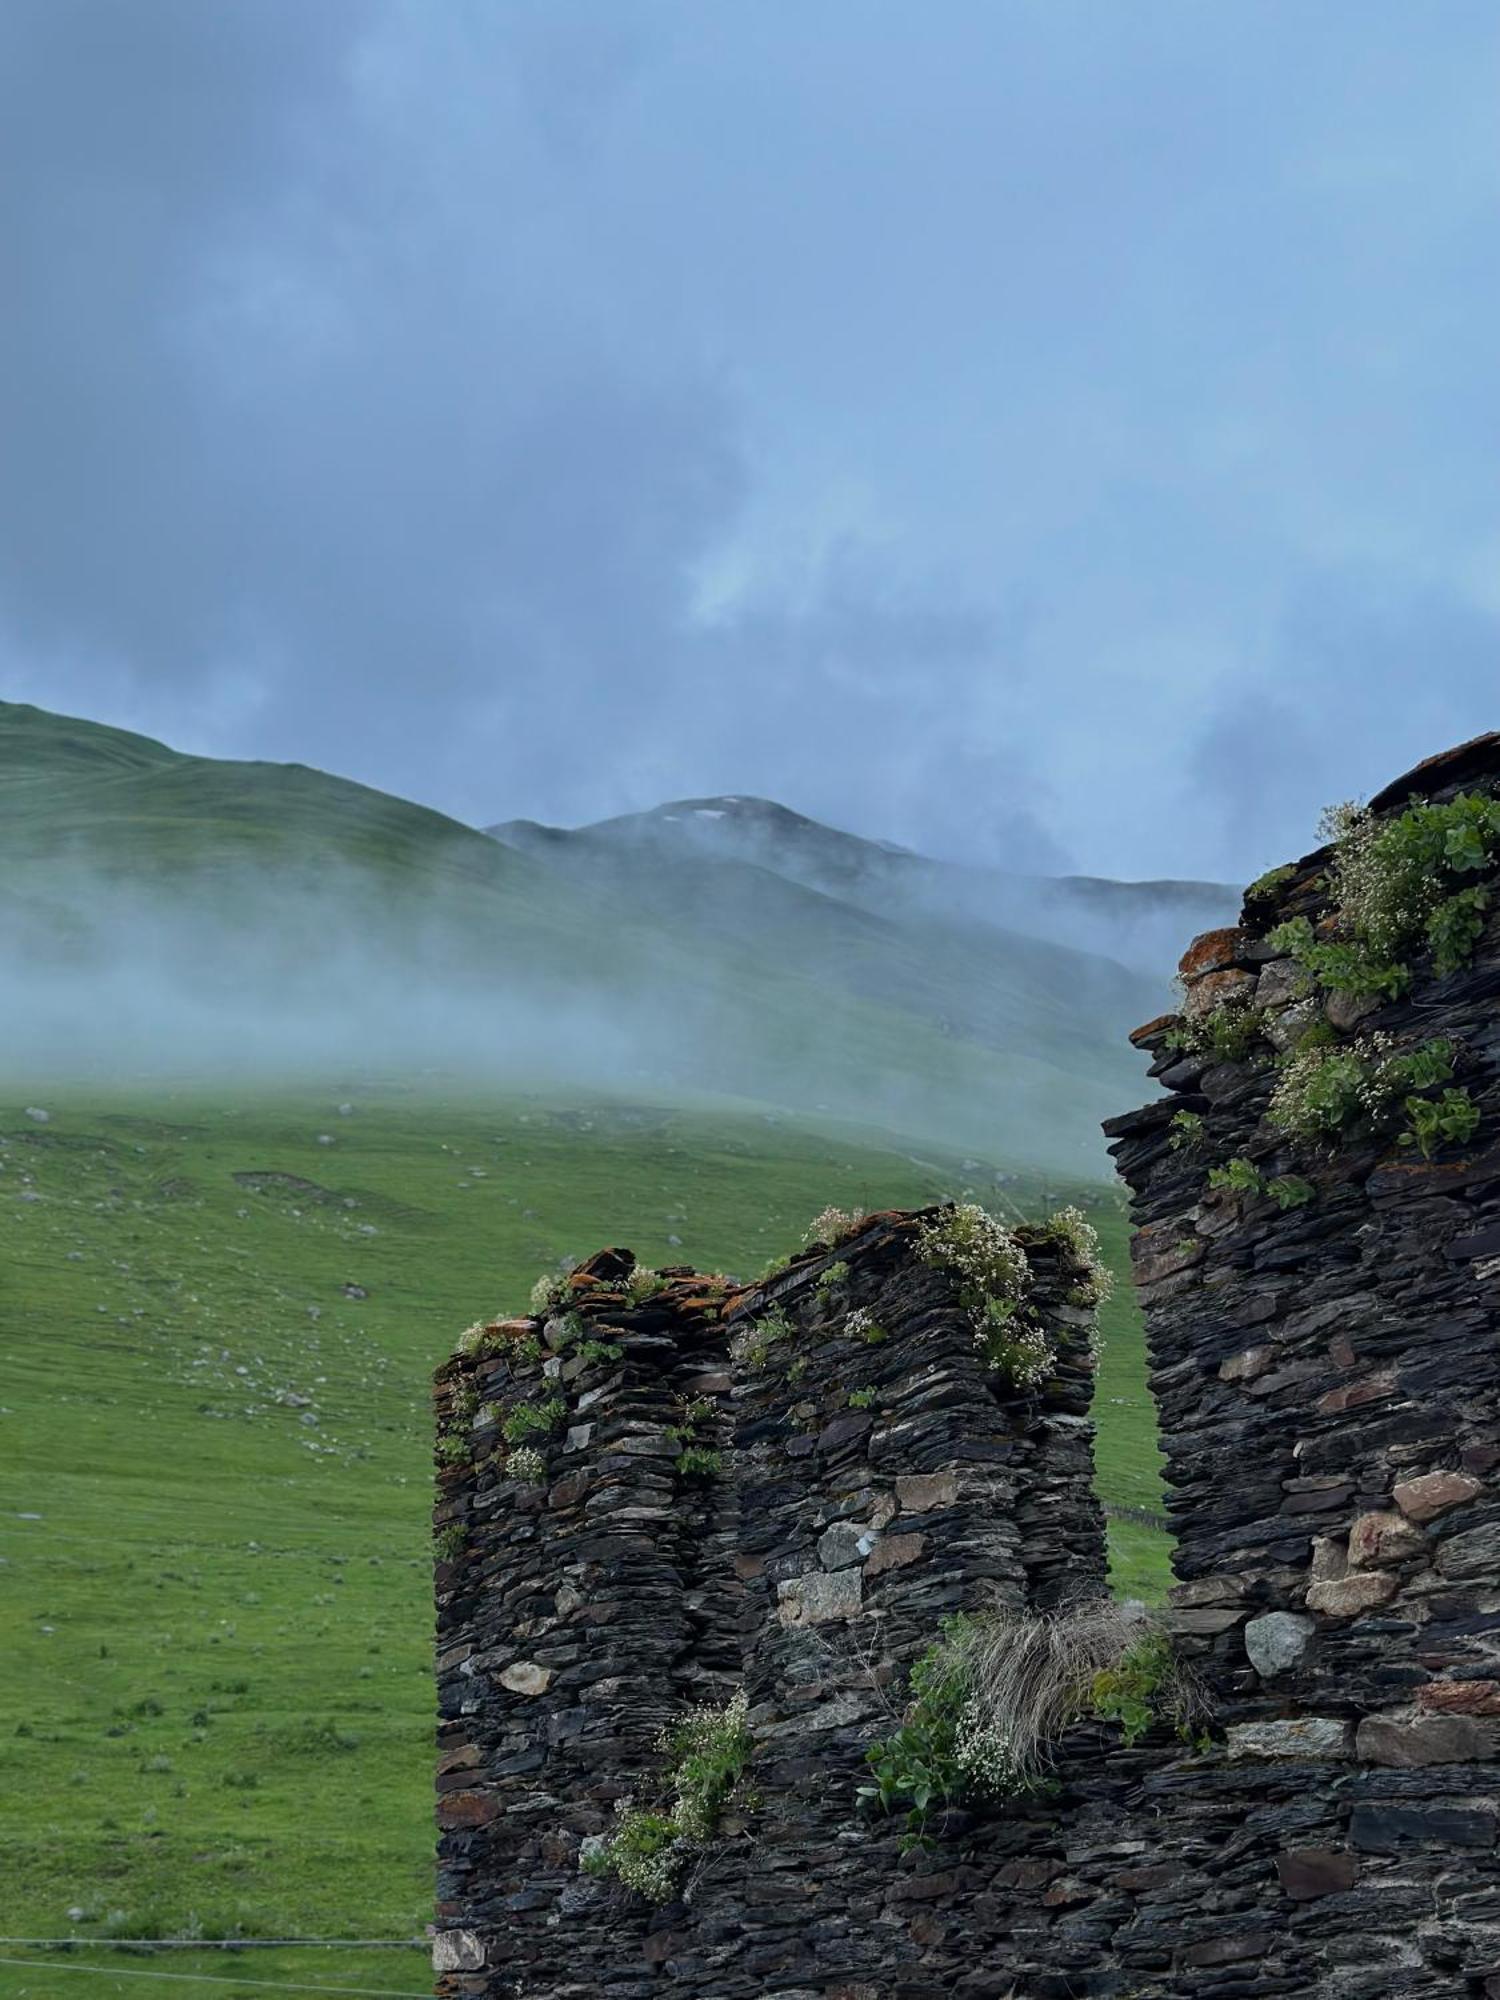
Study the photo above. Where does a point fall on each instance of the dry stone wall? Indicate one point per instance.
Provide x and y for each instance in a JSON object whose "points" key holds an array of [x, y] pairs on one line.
{"points": [[578, 1615], [1323, 1335]]}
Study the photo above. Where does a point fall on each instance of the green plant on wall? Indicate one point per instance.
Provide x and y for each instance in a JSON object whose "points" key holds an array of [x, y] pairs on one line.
{"points": [[708, 1752], [993, 1692], [1399, 886], [1229, 1032], [1242, 1176], [1329, 1091], [1186, 1132], [533, 1420], [991, 1271]]}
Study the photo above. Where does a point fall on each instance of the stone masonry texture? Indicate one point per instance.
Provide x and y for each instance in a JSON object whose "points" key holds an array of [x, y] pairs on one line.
{"points": [[1329, 1398]]}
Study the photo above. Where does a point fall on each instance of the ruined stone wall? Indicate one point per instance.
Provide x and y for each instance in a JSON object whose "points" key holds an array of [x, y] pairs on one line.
{"points": [[1327, 1379], [578, 1615]]}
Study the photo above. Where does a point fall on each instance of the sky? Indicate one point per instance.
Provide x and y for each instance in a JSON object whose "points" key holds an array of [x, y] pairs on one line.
{"points": [[1052, 435]]}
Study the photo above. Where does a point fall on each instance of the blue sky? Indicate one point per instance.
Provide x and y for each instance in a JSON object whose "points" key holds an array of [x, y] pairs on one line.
{"points": [[1053, 435]]}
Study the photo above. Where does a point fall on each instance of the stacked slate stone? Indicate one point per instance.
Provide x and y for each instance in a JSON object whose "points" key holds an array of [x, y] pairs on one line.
{"points": [[579, 1614], [1329, 1395], [1326, 1373]]}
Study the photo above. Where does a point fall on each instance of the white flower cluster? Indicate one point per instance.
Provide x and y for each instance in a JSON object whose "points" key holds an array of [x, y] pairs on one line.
{"points": [[472, 1338], [1023, 1354], [705, 1725], [992, 1270], [833, 1225], [978, 1249], [1072, 1227], [1323, 1089], [982, 1752], [652, 1873], [526, 1462], [549, 1292], [863, 1325]]}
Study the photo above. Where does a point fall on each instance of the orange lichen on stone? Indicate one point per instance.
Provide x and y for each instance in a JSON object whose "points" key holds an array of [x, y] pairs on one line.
{"points": [[1151, 1032], [1213, 951]]}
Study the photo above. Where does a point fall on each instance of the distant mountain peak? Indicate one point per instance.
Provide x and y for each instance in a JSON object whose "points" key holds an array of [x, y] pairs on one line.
{"points": [[1138, 923]]}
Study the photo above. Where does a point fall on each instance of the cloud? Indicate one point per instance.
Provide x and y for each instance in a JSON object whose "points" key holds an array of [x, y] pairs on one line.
{"points": [[1079, 424]]}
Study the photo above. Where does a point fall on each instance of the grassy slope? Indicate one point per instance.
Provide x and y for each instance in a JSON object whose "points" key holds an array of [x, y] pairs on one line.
{"points": [[217, 1697], [807, 1003]]}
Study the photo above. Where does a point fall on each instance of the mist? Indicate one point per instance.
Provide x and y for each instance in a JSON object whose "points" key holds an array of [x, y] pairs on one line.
{"points": [[243, 975]]}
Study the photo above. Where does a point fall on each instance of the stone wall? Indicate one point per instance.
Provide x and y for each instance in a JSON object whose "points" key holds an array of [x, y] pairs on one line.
{"points": [[1327, 1382], [579, 1615]]}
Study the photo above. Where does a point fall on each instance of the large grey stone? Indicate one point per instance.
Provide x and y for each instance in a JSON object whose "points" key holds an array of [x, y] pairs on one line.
{"points": [[820, 1597], [1347, 1596], [1433, 1493], [1277, 1641], [525, 1677], [1424, 1739], [844, 1543], [1302, 1737], [457, 1951]]}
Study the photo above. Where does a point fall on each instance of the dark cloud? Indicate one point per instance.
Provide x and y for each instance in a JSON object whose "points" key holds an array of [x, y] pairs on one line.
{"points": [[1057, 437]]}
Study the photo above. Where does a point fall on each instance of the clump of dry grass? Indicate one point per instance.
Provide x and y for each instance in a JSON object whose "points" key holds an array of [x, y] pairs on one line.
{"points": [[1031, 1674]]}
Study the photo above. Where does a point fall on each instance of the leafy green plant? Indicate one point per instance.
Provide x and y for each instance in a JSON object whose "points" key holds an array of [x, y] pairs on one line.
{"points": [[1397, 886], [753, 1344], [1239, 1175], [1142, 1689], [796, 1368], [1242, 1176], [1326, 1091], [643, 1853], [642, 1285], [1455, 927], [454, 1449], [1451, 1119], [861, 1399], [835, 1275], [1228, 1032], [1339, 966], [697, 1461], [531, 1420], [1186, 1132], [592, 1351], [917, 1766], [449, 1542]]}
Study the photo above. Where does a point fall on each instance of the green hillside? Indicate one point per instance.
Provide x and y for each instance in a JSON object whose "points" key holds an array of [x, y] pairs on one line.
{"points": [[221, 1313], [242, 913], [425, 1068]]}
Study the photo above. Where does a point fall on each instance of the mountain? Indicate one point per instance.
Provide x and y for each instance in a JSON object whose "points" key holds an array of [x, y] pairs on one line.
{"points": [[1142, 924], [167, 912]]}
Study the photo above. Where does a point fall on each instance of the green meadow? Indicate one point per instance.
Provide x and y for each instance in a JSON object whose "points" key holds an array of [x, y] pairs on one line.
{"points": [[220, 1317]]}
